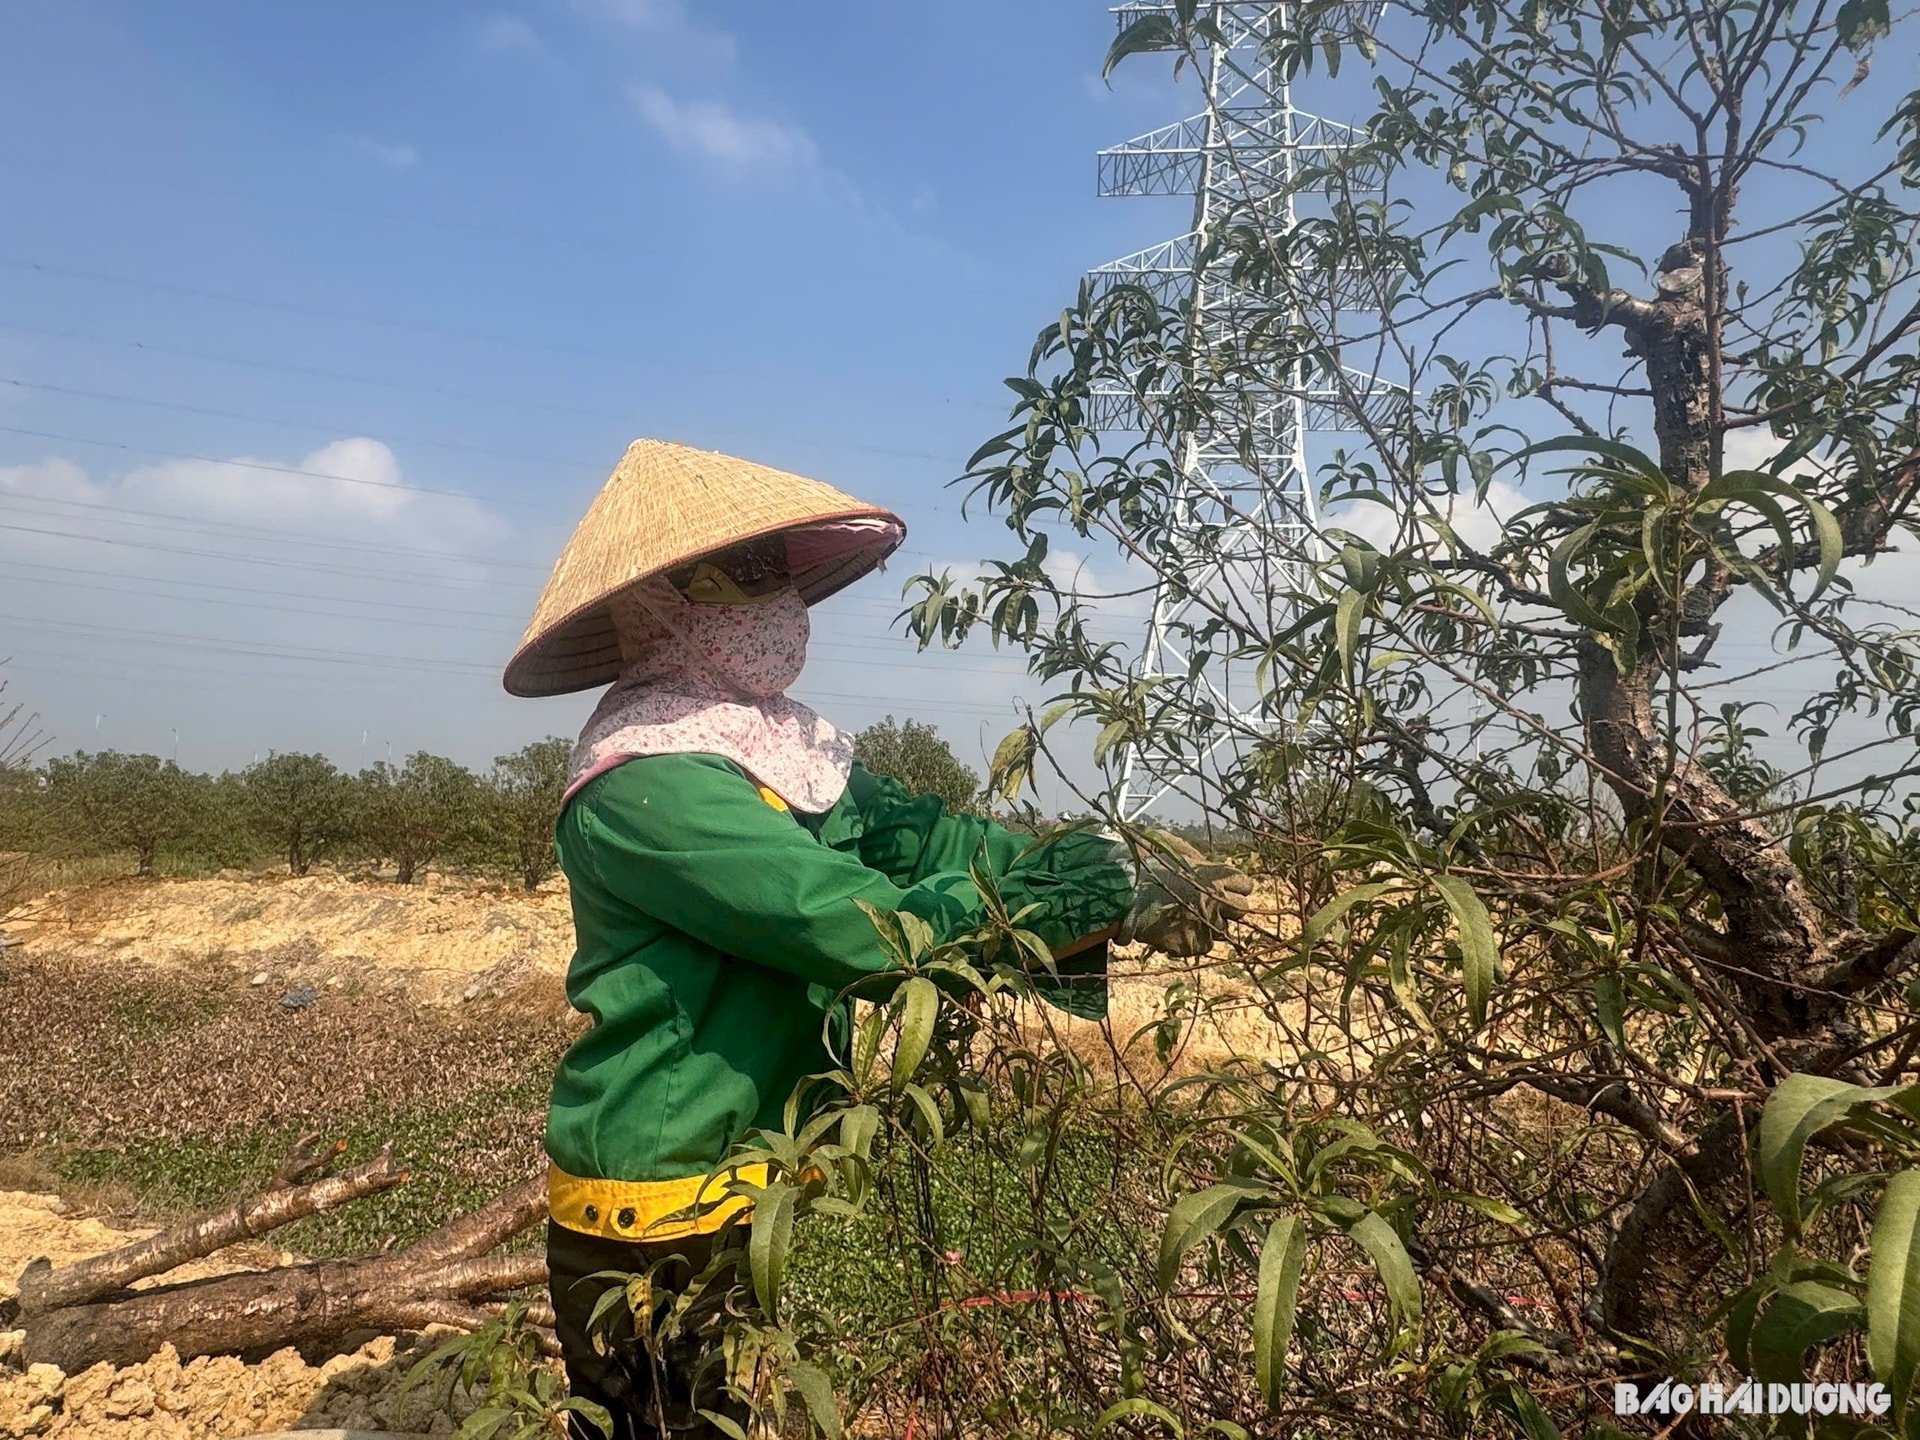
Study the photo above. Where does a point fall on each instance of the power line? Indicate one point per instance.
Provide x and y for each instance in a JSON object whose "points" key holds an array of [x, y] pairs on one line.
{"points": [[255, 605], [182, 407], [200, 525], [521, 402], [831, 650], [354, 431], [593, 467], [623, 357], [270, 468], [304, 204], [91, 571], [239, 558], [317, 312], [875, 608], [440, 665]]}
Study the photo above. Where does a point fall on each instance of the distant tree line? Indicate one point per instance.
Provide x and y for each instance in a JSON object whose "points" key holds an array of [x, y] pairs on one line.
{"points": [[296, 810], [301, 810]]}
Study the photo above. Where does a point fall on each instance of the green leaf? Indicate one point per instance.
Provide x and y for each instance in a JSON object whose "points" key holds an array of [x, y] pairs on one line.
{"points": [[858, 1126], [1893, 1287], [1861, 22], [1275, 1300], [1138, 1408], [769, 1244], [1625, 456], [482, 1423], [866, 1042], [591, 1411], [1479, 955], [816, 1390], [1362, 566], [929, 1112], [1610, 1006], [919, 1009], [1800, 1107], [1534, 1422], [1055, 713], [1194, 1216], [1560, 585], [1012, 758], [1378, 1238], [1493, 1209], [1328, 915], [1801, 1314], [1149, 32], [1833, 545], [1347, 623], [1400, 981]]}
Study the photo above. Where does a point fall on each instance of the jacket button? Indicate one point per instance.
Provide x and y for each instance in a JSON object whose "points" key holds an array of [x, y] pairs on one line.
{"points": [[625, 1219], [592, 1212]]}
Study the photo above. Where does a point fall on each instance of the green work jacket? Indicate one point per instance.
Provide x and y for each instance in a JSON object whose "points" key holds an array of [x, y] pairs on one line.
{"points": [[717, 930]]}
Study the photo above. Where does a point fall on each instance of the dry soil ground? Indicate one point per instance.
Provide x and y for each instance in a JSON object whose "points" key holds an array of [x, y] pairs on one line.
{"points": [[362, 1388], [163, 1042]]}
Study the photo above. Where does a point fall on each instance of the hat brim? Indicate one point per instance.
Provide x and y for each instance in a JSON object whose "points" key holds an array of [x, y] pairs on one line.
{"points": [[581, 651]]}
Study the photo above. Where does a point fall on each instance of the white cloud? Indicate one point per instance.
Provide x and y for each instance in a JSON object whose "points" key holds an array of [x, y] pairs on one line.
{"points": [[366, 494], [716, 132], [362, 497], [395, 155], [1890, 578], [1479, 524], [51, 479], [507, 34]]}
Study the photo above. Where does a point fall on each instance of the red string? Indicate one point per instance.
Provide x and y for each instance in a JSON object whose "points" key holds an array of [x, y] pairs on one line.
{"points": [[1019, 1297]]}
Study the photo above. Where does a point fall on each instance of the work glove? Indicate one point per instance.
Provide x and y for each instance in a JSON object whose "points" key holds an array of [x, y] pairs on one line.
{"points": [[1181, 899]]}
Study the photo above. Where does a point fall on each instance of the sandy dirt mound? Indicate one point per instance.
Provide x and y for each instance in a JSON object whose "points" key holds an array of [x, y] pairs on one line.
{"points": [[441, 940], [447, 940], [166, 1398]]}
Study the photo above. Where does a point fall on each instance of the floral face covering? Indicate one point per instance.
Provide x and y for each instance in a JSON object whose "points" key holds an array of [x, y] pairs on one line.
{"points": [[714, 685]]}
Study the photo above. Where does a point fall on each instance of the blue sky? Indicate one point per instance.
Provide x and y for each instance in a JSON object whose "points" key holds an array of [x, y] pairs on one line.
{"points": [[478, 251], [454, 258]]}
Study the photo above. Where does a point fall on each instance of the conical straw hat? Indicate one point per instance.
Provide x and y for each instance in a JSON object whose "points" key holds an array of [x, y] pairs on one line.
{"points": [[666, 505]]}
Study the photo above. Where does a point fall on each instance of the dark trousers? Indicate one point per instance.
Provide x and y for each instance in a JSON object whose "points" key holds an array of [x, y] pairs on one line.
{"points": [[651, 1390]]}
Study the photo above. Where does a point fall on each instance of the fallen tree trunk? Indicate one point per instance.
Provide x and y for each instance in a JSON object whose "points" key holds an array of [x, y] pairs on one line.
{"points": [[44, 1288], [73, 1318]]}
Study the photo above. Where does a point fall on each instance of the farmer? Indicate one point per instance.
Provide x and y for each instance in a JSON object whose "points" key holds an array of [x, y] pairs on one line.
{"points": [[716, 835]]}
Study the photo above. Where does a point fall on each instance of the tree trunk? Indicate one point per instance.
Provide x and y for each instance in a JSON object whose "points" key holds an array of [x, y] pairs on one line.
{"points": [[143, 855], [1654, 1282], [79, 1315], [268, 1309], [403, 871], [1771, 946]]}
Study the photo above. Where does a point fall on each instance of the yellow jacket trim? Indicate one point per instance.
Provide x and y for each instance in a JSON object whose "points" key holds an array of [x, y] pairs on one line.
{"points": [[640, 1209], [772, 798]]}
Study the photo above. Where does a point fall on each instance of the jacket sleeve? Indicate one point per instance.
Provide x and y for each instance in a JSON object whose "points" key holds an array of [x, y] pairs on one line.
{"points": [[906, 836], [1079, 879], [688, 840], [909, 836]]}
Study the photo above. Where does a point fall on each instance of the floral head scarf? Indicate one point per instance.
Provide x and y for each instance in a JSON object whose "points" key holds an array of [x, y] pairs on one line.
{"points": [[715, 686]]}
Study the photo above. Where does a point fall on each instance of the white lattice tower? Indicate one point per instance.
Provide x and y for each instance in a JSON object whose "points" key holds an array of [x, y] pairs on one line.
{"points": [[1245, 514]]}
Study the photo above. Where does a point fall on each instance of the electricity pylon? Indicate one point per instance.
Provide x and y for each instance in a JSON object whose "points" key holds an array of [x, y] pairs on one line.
{"points": [[1244, 518]]}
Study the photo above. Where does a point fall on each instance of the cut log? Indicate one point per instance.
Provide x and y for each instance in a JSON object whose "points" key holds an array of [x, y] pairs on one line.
{"points": [[44, 1288], [73, 1319]]}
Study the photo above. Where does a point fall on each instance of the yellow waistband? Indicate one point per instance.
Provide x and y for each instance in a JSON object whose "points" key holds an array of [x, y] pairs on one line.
{"points": [[640, 1209]]}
